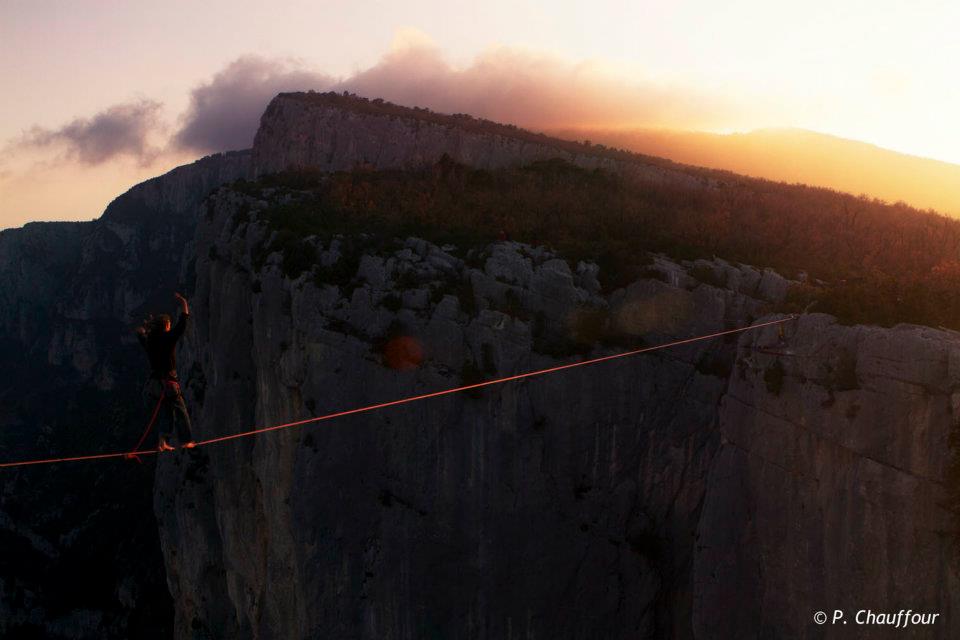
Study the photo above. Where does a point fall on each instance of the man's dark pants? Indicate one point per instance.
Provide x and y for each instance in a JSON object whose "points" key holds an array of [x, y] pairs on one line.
{"points": [[172, 415]]}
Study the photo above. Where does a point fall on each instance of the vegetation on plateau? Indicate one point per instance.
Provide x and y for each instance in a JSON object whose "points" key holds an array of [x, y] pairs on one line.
{"points": [[863, 260]]}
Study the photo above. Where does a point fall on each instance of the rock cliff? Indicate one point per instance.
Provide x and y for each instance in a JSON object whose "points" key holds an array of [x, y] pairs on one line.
{"points": [[80, 544], [714, 486], [828, 489], [484, 516], [333, 133]]}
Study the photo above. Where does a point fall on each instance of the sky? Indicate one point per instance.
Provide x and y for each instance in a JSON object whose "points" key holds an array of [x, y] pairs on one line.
{"points": [[99, 95]]}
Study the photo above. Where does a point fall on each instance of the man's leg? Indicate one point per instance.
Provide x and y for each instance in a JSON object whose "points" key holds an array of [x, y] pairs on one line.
{"points": [[151, 393], [165, 417], [182, 419]]}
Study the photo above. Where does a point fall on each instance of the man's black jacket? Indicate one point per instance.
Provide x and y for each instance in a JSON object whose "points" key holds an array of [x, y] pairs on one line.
{"points": [[161, 348]]}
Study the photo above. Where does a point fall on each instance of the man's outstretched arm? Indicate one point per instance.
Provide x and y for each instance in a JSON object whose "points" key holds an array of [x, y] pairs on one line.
{"points": [[184, 314]]}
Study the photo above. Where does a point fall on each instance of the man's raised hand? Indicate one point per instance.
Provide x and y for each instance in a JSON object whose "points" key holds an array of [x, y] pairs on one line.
{"points": [[182, 301]]}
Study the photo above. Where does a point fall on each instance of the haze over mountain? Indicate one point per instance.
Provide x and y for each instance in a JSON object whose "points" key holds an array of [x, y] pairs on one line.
{"points": [[797, 155]]}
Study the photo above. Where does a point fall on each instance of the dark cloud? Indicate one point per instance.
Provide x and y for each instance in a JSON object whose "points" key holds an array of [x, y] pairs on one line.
{"points": [[120, 130], [225, 112]]}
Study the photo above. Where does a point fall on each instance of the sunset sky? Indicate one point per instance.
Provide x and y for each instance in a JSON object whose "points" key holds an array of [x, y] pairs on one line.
{"points": [[100, 95]]}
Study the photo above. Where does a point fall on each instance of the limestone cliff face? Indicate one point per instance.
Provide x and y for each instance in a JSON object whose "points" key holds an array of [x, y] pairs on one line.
{"points": [[80, 556], [827, 491], [565, 506], [712, 490], [302, 130]]}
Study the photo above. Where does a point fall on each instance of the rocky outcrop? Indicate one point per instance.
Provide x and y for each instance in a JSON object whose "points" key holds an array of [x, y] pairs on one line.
{"points": [[560, 507], [720, 485], [81, 556], [315, 131], [828, 489]]}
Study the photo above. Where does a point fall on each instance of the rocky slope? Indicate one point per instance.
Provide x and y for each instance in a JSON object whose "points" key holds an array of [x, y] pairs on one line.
{"points": [[707, 487], [463, 517], [827, 491], [80, 545]]}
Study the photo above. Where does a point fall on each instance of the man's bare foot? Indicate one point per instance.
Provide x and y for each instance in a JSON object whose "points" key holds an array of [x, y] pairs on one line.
{"points": [[164, 446], [190, 445]]}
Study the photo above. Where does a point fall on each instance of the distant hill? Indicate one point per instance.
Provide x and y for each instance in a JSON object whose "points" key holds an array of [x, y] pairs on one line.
{"points": [[798, 155]]}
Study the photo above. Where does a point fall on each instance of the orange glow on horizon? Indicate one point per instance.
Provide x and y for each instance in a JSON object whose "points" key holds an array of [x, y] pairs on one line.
{"points": [[795, 155]]}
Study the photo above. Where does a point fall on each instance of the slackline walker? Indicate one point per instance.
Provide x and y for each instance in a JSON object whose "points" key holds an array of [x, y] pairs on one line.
{"points": [[136, 452]]}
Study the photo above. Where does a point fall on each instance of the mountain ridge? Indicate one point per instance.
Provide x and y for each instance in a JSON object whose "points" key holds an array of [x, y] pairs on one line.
{"points": [[801, 156]]}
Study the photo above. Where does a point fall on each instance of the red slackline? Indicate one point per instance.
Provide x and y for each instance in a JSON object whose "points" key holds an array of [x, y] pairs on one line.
{"points": [[383, 405]]}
